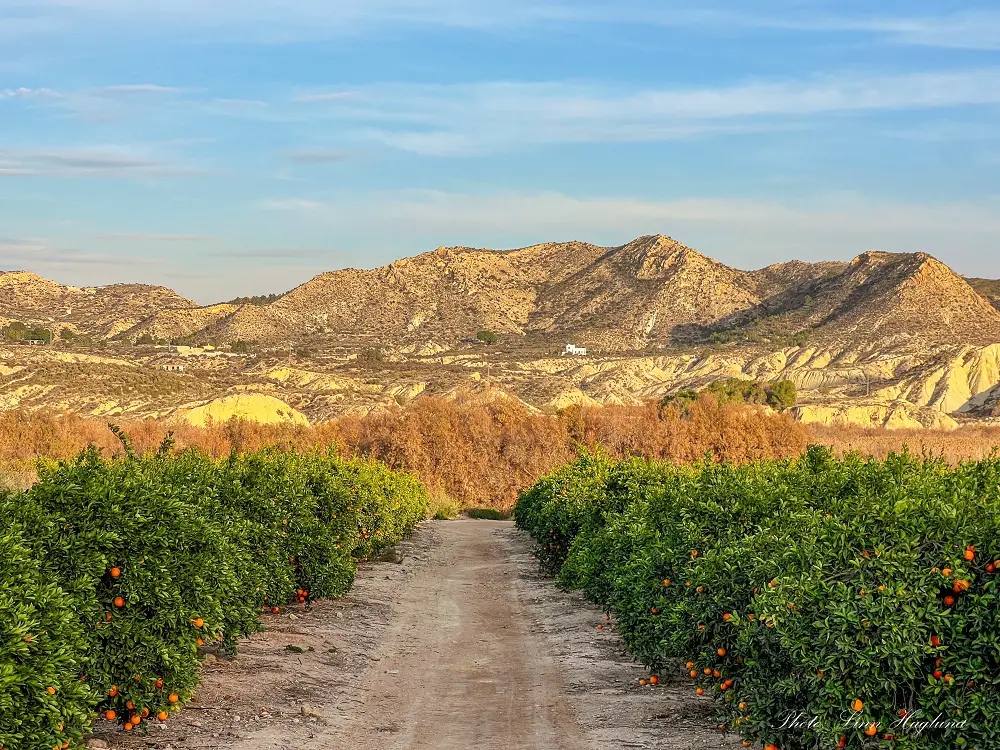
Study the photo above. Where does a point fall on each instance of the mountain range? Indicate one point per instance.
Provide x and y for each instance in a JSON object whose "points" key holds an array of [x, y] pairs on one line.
{"points": [[652, 292], [896, 339]]}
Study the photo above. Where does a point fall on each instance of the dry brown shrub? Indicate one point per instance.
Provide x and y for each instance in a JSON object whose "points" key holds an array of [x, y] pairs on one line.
{"points": [[970, 443], [479, 449]]}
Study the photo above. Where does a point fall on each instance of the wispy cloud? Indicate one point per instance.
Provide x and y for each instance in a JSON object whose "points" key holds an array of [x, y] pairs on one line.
{"points": [[487, 117], [326, 97], [150, 237], [35, 253], [108, 163], [26, 93], [315, 156], [137, 89], [277, 21]]}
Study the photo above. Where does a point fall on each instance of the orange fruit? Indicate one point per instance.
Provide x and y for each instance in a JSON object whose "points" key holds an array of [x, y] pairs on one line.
{"points": [[857, 705], [946, 572], [119, 602], [654, 680], [198, 622], [689, 665], [871, 730], [969, 555], [721, 652], [708, 671], [694, 673], [162, 716], [700, 691], [127, 727], [173, 698], [50, 690], [113, 691], [110, 715], [935, 641], [158, 684], [949, 601], [116, 572]]}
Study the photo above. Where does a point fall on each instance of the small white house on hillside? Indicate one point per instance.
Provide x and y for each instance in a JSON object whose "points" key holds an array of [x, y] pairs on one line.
{"points": [[575, 351]]}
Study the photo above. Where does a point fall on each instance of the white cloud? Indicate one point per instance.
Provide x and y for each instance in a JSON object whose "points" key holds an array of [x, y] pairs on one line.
{"points": [[152, 237], [137, 89], [97, 162], [26, 93], [495, 116], [278, 21]]}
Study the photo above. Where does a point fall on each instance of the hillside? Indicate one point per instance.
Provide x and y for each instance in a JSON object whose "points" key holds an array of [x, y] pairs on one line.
{"points": [[886, 339], [879, 299], [93, 311]]}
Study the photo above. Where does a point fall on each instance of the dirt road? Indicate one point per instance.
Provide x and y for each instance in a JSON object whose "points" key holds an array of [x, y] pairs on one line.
{"points": [[460, 645]]}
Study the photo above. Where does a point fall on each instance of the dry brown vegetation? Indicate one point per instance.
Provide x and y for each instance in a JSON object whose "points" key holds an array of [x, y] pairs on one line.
{"points": [[482, 450], [970, 443]]}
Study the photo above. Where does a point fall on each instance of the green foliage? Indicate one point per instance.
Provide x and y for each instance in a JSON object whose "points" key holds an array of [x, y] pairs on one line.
{"points": [[807, 584], [259, 301], [241, 347], [487, 337], [145, 339], [486, 514], [780, 394], [372, 355], [43, 702], [442, 507], [142, 562], [17, 331]]}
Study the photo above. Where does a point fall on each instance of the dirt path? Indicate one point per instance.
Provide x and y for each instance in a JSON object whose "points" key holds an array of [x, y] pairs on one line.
{"points": [[462, 644]]}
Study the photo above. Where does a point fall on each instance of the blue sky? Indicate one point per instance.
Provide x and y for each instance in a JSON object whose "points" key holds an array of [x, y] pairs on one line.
{"points": [[226, 148]]}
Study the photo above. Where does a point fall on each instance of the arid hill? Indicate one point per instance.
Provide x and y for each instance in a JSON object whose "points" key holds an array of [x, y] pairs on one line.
{"points": [[101, 312], [886, 339], [652, 292]]}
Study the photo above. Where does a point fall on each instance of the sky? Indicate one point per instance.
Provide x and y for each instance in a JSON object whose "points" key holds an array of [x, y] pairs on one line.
{"points": [[232, 148]]}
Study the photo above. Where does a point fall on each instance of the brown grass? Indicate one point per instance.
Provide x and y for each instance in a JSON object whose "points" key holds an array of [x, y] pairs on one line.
{"points": [[965, 444], [482, 450]]}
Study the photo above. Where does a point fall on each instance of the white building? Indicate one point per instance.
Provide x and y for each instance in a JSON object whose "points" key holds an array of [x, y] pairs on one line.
{"points": [[575, 351]]}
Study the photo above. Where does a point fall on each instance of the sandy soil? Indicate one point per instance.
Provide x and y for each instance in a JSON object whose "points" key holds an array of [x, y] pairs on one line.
{"points": [[461, 644]]}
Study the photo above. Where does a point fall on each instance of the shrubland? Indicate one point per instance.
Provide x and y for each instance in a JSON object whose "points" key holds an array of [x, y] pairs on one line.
{"points": [[822, 602], [118, 573]]}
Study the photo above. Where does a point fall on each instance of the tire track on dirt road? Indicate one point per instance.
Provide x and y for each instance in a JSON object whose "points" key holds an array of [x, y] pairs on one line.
{"points": [[462, 644]]}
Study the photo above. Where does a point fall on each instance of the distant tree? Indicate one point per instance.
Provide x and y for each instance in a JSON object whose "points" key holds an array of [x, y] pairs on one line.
{"points": [[374, 354], [782, 395], [145, 340], [487, 337], [15, 331], [241, 347], [67, 334]]}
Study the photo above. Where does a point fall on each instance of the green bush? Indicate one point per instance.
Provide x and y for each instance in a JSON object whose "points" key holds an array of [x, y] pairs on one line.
{"points": [[148, 561], [44, 700], [801, 586], [486, 514]]}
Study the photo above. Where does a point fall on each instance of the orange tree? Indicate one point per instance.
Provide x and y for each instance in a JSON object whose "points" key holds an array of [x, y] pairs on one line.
{"points": [[156, 558], [824, 603], [43, 701]]}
